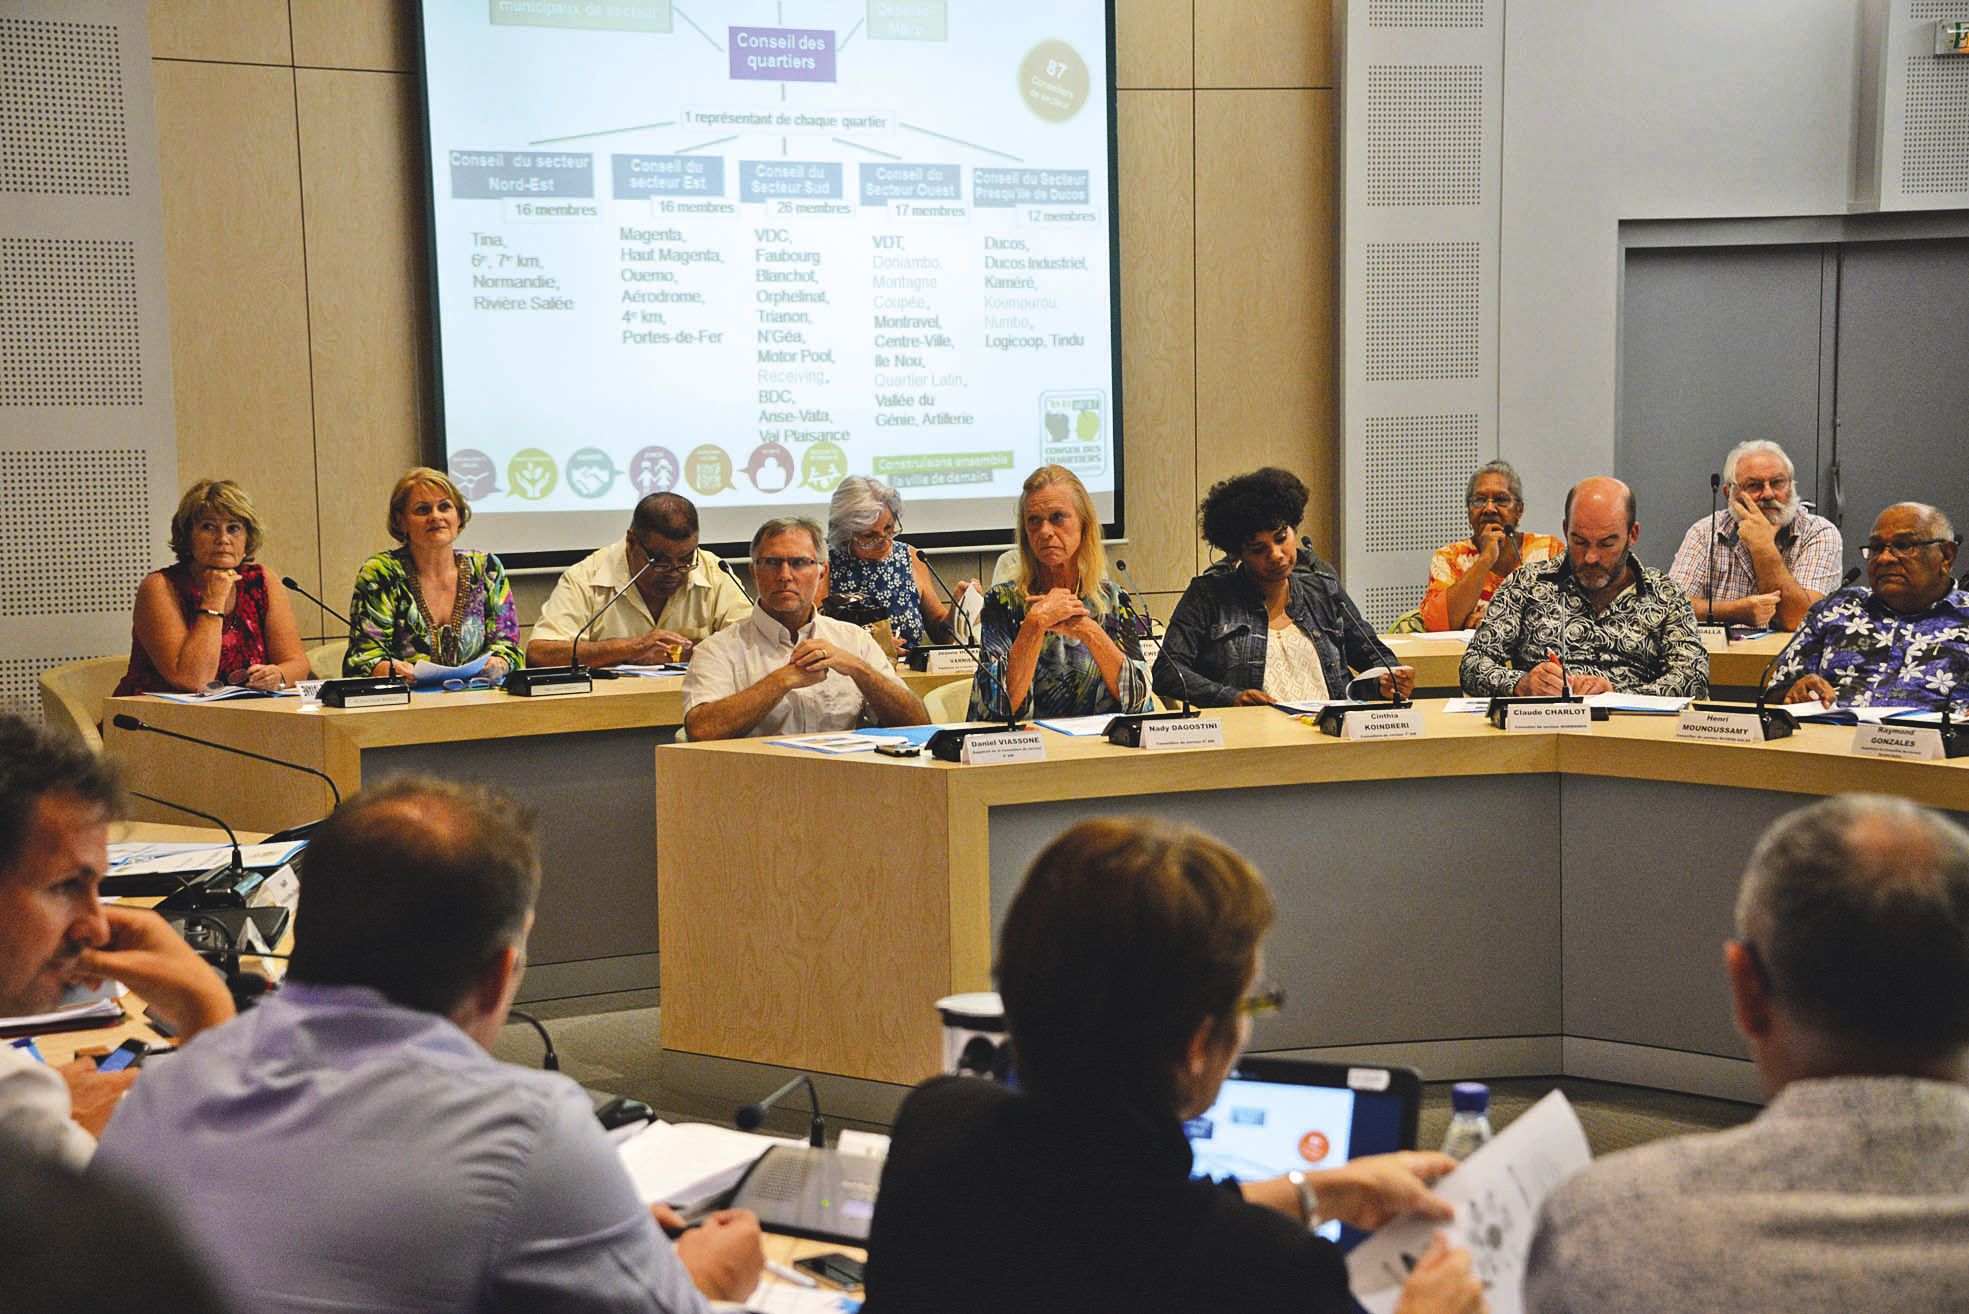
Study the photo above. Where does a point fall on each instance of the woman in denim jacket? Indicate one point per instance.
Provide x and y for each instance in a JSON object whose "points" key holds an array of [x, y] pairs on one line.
{"points": [[1267, 625]]}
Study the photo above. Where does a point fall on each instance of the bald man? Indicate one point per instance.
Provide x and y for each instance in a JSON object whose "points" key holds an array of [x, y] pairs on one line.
{"points": [[1609, 621], [1848, 979], [1902, 641]]}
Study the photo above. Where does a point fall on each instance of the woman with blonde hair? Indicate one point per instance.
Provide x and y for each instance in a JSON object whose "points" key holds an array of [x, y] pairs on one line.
{"points": [[426, 600], [217, 615], [1060, 639]]}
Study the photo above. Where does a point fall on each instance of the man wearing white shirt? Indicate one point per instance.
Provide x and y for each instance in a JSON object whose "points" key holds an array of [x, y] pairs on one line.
{"points": [[56, 802], [684, 597], [787, 669]]}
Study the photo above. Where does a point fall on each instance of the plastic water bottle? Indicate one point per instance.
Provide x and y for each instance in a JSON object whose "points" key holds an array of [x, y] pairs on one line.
{"points": [[1469, 1119]]}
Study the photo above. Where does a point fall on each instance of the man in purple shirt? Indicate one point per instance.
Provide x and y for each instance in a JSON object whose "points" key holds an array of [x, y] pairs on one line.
{"points": [[1904, 642], [350, 1144]]}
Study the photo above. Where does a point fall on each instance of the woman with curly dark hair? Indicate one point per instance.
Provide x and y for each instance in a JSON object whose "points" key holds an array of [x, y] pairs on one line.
{"points": [[1265, 625]]}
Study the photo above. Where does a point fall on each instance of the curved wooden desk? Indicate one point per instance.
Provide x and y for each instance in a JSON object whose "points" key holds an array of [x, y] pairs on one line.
{"points": [[1738, 667], [1472, 902], [583, 762]]}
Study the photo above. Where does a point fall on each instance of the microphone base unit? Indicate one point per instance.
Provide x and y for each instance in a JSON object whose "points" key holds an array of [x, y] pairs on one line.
{"points": [[1501, 705], [1125, 730], [222, 887], [947, 745], [365, 691], [1333, 719], [942, 659], [1775, 722], [548, 681], [1955, 738]]}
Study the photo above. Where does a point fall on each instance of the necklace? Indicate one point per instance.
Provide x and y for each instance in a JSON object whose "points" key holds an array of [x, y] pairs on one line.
{"points": [[444, 638]]}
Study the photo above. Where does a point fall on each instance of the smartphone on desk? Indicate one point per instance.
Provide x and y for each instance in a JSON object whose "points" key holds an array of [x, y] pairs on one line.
{"points": [[834, 1268]]}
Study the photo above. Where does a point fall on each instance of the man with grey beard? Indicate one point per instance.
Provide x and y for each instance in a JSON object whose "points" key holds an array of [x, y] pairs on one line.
{"points": [[1768, 559]]}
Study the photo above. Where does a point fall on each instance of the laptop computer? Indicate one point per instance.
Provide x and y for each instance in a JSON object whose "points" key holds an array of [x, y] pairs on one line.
{"points": [[1277, 1114]]}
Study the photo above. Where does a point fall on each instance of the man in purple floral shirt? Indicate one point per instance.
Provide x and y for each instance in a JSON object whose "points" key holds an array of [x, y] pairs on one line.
{"points": [[1904, 642]]}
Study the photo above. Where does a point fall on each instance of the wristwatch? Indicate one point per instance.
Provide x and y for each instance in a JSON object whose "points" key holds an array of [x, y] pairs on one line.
{"points": [[1309, 1201]]}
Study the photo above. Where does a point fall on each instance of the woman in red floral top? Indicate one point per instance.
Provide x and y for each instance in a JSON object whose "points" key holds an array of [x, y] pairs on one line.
{"points": [[216, 614]]}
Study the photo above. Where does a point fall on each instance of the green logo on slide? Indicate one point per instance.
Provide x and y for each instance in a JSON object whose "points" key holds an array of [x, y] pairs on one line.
{"points": [[531, 474], [590, 472]]}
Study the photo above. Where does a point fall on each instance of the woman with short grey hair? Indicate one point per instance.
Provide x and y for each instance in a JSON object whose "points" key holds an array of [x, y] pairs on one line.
{"points": [[867, 560]]}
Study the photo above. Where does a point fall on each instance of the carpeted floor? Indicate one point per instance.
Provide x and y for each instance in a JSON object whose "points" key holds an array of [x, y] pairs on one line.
{"points": [[611, 1044]]}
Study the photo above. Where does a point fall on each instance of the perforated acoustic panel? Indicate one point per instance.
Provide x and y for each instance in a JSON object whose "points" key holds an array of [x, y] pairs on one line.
{"points": [[1384, 604], [68, 323], [20, 680], [62, 128], [74, 531], [1425, 13], [1414, 471], [1425, 134], [1422, 311], [1936, 10], [1935, 140]]}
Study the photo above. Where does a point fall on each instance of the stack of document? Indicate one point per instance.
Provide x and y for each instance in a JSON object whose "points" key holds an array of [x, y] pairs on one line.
{"points": [[80, 1007], [691, 1166]]}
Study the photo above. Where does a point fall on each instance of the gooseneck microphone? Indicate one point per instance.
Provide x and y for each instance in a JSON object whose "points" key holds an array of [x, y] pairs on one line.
{"points": [[124, 721], [737, 579], [749, 1116], [290, 582], [976, 653], [1715, 508], [574, 649], [221, 888], [238, 861], [1134, 588]]}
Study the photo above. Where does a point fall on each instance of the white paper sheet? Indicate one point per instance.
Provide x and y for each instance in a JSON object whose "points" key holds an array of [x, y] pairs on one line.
{"points": [[146, 859], [685, 1163], [1649, 704], [1497, 1193], [1396, 640], [426, 674], [831, 743], [1078, 725], [1465, 706], [656, 671], [227, 691], [1808, 713]]}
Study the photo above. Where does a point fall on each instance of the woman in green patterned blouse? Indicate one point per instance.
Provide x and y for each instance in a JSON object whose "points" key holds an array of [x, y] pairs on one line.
{"points": [[425, 600]]}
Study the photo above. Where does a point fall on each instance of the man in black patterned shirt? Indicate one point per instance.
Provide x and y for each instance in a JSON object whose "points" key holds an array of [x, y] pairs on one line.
{"points": [[1606, 620]]}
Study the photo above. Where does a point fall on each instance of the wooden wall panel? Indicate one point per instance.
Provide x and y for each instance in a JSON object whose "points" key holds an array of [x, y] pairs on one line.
{"points": [[239, 325], [1158, 367], [1225, 366], [364, 34], [1265, 289], [230, 31], [1152, 42], [367, 278], [1264, 43]]}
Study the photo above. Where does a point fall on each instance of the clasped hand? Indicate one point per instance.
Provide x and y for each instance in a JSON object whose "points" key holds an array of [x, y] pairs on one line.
{"points": [[1058, 611], [812, 659]]}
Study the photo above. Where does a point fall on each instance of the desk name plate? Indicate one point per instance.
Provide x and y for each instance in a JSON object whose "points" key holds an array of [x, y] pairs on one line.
{"points": [[1906, 743], [1720, 727], [1009, 746], [1521, 718], [948, 661], [1184, 732], [1715, 638], [1382, 723]]}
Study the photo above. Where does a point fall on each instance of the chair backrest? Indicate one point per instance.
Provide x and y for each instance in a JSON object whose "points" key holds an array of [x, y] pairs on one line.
{"points": [[948, 702], [72, 696], [325, 660]]}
